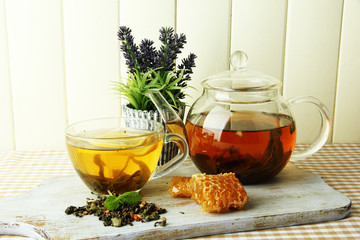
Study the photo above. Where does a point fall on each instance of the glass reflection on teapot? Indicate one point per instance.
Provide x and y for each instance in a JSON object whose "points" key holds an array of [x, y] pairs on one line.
{"points": [[241, 124]]}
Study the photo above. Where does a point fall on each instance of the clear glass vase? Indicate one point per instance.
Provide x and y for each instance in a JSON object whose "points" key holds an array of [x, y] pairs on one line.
{"points": [[169, 150]]}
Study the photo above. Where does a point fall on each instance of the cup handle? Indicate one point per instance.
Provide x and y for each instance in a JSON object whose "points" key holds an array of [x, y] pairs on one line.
{"points": [[322, 136], [175, 161]]}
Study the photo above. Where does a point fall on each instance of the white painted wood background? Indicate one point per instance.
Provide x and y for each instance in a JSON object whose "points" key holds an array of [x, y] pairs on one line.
{"points": [[59, 57]]}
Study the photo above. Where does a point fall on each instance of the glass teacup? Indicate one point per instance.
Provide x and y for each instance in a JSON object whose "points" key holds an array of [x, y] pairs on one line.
{"points": [[120, 154]]}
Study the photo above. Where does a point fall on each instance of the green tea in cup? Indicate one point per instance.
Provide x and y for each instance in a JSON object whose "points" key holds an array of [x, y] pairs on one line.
{"points": [[119, 154]]}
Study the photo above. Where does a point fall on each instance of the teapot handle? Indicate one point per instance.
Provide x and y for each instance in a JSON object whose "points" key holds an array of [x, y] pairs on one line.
{"points": [[175, 161], [322, 136]]}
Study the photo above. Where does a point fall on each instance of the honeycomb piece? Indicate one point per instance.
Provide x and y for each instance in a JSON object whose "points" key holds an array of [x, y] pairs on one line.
{"points": [[179, 187], [215, 193]]}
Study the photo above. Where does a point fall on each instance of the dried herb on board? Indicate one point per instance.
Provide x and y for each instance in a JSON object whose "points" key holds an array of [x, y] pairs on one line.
{"points": [[124, 214]]}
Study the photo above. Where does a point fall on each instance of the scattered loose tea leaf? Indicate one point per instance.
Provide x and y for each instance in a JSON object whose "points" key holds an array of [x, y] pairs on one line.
{"points": [[125, 214], [161, 223]]}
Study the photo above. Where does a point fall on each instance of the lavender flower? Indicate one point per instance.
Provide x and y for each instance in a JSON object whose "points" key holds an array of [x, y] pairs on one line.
{"points": [[148, 55], [145, 58], [131, 51], [167, 52]]}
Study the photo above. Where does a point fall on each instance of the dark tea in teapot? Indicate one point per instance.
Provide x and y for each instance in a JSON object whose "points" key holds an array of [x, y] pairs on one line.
{"points": [[242, 124], [254, 145]]}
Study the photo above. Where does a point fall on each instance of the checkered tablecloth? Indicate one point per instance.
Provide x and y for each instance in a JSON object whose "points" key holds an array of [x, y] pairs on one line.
{"points": [[338, 164]]}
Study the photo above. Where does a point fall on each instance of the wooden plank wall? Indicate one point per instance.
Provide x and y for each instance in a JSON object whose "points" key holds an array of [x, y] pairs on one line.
{"points": [[58, 58]]}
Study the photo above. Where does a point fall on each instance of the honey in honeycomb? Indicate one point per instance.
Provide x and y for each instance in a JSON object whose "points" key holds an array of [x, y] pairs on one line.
{"points": [[215, 193], [179, 187]]}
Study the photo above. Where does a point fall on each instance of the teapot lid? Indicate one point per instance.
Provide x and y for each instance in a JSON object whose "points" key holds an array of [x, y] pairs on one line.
{"points": [[241, 78]]}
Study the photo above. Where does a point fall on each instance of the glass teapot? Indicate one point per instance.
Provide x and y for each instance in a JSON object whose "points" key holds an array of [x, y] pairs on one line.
{"points": [[241, 124]]}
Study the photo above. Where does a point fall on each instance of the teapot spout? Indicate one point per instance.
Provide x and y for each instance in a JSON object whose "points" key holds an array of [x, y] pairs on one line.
{"points": [[173, 122]]}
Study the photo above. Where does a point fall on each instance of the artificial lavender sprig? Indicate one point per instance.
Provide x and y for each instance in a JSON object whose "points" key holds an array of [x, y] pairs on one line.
{"points": [[172, 45], [130, 49], [148, 56], [167, 52], [150, 68], [179, 42], [187, 64]]}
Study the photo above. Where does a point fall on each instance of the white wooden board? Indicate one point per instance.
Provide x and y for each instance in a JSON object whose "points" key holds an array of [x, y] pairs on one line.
{"points": [[91, 58], [294, 197], [6, 120], [258, 28], [311, 58], [145, 21], [206, 25], [58, 57], [36, 60], [347, 111]]}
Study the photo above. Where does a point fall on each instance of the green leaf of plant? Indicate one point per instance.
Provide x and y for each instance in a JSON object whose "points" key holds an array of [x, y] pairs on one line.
{"points": [[167, 78], [111, 202], [137, 84], [132, 100], [130, 198], [172, 97], [177, 88], [154, 82], [159, 78], [172, 85]]}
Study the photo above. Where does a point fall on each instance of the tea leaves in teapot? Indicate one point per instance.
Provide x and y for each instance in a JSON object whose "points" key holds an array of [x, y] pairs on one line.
{"points": [[253, 145]]}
